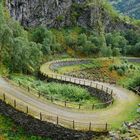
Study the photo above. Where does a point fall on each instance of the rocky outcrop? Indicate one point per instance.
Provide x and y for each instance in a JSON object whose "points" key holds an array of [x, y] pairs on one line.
{"points": [[60, 13]]}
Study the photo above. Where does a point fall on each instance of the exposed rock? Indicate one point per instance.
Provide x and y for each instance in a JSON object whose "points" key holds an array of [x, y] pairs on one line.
{"points": [[60, 13]]}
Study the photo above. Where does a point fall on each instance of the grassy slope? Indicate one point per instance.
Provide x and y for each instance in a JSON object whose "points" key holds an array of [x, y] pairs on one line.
{"points": [[10, 131]]}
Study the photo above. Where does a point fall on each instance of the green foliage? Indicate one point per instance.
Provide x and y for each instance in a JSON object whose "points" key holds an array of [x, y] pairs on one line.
{"points": [[64, 92], [106, 51]]}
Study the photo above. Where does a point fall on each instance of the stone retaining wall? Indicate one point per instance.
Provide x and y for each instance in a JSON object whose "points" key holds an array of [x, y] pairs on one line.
{"points": [[34, 126]]}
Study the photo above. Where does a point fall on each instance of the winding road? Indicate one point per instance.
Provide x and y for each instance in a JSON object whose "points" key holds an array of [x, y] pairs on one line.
{"points": [[124, 100]]}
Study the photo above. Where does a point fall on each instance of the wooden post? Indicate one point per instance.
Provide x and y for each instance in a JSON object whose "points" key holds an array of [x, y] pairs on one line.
{"points": [[106, 126], [96, 86], [73, 124], [39, 94], [40, 116], [65, 103], [90, 126], [57, 121], [102, 87], [19, 83], [79, 106], [51, 99], [14, 103], [27, 109], [111, 92], [107, 90], [4, 97], [28, 89], [92, 106]]}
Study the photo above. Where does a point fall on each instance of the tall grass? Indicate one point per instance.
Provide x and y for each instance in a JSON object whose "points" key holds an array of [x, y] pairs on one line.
{"points": [[64, 92]]}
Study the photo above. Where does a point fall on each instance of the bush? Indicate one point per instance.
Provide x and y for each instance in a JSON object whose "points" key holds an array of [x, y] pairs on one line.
{"points": [[120, 71]]}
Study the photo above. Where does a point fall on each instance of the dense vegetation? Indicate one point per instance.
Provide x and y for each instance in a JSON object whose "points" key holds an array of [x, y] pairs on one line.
{"points": [[128, 7], [24, 51], [62, 92]]}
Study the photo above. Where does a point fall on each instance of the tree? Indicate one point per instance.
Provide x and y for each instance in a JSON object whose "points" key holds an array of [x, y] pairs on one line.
{"points": [[39, 33], [26, 56], [106, 51], [70, 41], [115, 52], [82, 39], [6, 39]]}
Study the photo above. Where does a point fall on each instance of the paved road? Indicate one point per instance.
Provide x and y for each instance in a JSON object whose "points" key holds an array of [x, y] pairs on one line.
{"points": [[124, 99]]}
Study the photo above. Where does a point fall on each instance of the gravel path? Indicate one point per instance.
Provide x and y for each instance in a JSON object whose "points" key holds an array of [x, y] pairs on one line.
{"points": [[123, 100]]}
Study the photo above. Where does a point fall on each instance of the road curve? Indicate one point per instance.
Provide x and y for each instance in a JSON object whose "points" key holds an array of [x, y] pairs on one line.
{"points": [[124, 99]]}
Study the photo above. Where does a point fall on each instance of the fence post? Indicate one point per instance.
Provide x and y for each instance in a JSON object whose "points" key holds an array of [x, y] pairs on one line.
{"points": [[27, 109], [19, 83], [57, 120], [102, 87], [73, 124], [65, 103], [90, 126], [90, 83], [14, 103], [51, 99], [93, 106], [107, 90], [111, 92], [79, 106], [106, 126], [96, 86], [40, 116], [39, 94], [28, 89], [4, 97]]}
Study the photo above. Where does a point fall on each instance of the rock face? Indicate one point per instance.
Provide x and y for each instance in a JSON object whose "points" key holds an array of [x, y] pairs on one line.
{"points": [[60, 13]]}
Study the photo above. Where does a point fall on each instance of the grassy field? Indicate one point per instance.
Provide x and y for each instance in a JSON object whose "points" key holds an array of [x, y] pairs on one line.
{"points": [[10, 131]]}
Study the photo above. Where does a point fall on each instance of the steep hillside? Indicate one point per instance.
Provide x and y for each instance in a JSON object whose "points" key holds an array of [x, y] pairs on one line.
{"points": [[128, 7], [97, 14]]}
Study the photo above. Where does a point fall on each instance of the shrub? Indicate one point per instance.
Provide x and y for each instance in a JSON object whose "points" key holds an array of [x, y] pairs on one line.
{"points": [[120, 71]]}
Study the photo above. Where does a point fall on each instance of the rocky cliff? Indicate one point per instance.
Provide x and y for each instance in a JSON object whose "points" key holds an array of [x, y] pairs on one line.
{"points": [[60, 13]]}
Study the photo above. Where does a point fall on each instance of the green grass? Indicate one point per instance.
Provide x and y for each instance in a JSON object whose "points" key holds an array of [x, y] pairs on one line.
{"points": [[129, 115], [64, 92], [10, 131]]}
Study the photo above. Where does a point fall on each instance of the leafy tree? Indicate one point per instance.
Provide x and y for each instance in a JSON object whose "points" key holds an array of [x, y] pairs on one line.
{"points": [[38, 34], [106, 51], [115, 52], [6, 38], [26, 56], [82, 39], [70, 41]]}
